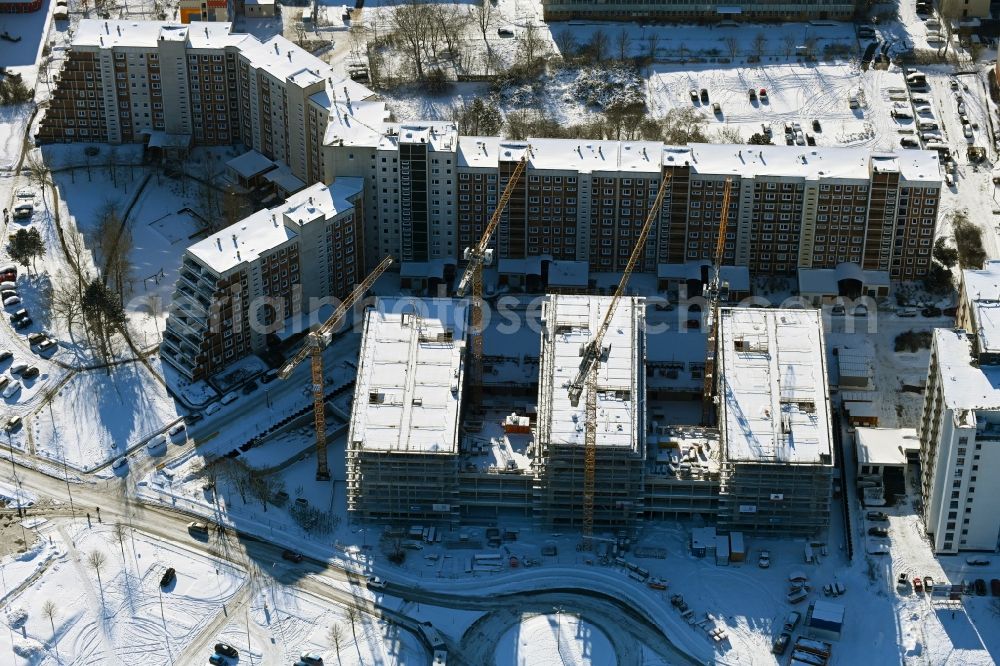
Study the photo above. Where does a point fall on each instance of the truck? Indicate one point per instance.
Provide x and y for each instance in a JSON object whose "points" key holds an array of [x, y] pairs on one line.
{"points": [[791, 621]]}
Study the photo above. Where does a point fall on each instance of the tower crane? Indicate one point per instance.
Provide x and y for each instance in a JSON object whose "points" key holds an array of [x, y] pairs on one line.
{"points": [[479, 256], [593, 353], [715, 295], [313, 348]]}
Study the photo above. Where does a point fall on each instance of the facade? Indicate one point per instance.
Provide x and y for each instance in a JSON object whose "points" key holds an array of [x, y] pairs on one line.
{"points": [[568, 322], [564, 10], [242, 283], [205, 10], [774, 422], [137, 82], [403, 441], [19, 6], [959, 429], [790, 209]]}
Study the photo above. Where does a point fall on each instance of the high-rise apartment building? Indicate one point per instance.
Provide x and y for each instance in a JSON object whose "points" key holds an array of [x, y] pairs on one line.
{"points": [[199, 84], [242, 283], [959, 428]]}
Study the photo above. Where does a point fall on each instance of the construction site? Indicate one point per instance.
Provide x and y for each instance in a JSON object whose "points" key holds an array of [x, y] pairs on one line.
{"points": [[592, 420]]}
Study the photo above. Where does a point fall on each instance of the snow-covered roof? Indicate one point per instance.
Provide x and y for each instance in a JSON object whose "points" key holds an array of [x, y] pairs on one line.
{"points": [[773, 386], [571, 321], [738, 277], [478, 151], [562, 273], [825, 280], [982, 293], [285, 61], [965, 386], [437, 135], [284, 178], [269, 228], [586, 156], [410, 375], [806, 162], [250, 164], [885, 446], [111, 34], [356, 124]]}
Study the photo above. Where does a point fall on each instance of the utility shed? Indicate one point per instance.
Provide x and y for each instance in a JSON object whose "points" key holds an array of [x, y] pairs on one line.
{"points": [[702, 538], [722, 550], [825, 619], [737, 551], [402, 454]]}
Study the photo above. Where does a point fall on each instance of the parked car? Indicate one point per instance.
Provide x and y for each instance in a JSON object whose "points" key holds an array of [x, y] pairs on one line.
{"points": [[213, 408], [762, 94], [291, 556], [226, 650], [22, 323], [4, 380], [694, 95], [931, 311], [704, 95], [838, 310], [781, 644], [928, 583], [30, 373], [906, 312], [36, 339], [7, 293], [46, 346], [764, 559], [918, 585], [268, 376], [13, 424], [18, 368], [169, 576], [753, 94], [995, 587], [311, 658], [198, 528], [967, 131], [302, 501], [978, 561], [907, 142], [217, 660], [878, 532], [6, 354], [505, 32], [902, 580], [792, 620], [717, 109], [816, 126], [376, 582], [156, 442], [176, 429], [860, 311], [877, 515], [11, 301], [229, 397], [980, 587], [119, 463]]}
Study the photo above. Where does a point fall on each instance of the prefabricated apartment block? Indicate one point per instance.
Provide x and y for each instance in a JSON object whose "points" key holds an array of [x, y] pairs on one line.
{"points": [[959, 428], [242, 283], [774, 422], [713, 11]]}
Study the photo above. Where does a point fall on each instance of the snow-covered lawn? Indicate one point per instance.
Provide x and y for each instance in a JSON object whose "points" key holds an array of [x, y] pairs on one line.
{"points": [[284, 622], [19, 567], [119, 618], [554, 639], [96, 417]]}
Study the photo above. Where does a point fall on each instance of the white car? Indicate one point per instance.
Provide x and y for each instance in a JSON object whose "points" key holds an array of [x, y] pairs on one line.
{"points": [[12, 301], [213, 408], [376, 582], [764, 561], [229, 397], [176, 430], [119, 463], [11, 389], [156, 442], [967, 131]]}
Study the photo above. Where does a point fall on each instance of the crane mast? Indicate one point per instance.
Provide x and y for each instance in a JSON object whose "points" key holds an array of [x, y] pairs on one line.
{"points": [[715, 289], [477, 257], [313, 349], [587, 375]]}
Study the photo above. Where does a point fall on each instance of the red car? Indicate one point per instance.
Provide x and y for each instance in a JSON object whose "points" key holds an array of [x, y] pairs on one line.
{"points": [[763, 94], [918, 585]]}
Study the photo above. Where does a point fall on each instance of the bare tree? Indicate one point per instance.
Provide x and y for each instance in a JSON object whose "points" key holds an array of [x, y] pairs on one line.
{"points": [[96, 559], [264, 487], [412, 25], [49, 611], [623, 41], [759, 43], [38, 172], [789, 42], [353, 616], [533, 47], [732, 46], [652, 45], [337, 637], [566, 43], [121, 531], [598, 45], [451, 21], [112, 241], [729, 134], [65, 302], [482, 15]]}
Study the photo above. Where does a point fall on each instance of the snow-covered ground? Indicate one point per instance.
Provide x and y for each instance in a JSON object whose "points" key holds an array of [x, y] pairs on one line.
{"points": [[554, 639], [123, 614]]}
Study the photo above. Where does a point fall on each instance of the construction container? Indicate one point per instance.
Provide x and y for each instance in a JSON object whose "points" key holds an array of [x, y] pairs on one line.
{"points": [[737, 551], [517, 425], [722, 550]]}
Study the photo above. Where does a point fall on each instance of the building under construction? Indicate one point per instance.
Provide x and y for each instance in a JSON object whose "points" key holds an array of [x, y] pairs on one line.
{"points": [[403, 441], [569, 323], [774, 422]]}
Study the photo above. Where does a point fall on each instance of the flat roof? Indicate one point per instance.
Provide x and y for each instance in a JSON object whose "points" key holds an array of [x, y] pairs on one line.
{"points": [[982, 292], [410, 376], [773, 386], [884, 446], [121, 33], [359, 123], [806, 162], [250, 164], [965, 386], [738, 277], [825, 280], [572, 321], [284, 178], [269, 228]]}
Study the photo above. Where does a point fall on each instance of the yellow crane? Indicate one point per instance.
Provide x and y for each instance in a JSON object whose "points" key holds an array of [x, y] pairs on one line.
{"points": [[313, 348], [587, 374], [715, 295], [478, 256]]}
